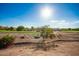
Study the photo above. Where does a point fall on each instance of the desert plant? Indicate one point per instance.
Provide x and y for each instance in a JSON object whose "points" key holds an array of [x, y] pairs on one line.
{"points": [[46, 32], [6, 41]]}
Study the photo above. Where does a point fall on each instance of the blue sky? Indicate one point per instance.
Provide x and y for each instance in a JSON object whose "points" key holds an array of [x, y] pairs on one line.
{"points": [[28, 14]]}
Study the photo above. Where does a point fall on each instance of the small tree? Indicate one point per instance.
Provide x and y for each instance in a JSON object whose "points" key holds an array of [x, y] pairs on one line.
{"points": [[32, 28], [20, 28], [11, 28]]}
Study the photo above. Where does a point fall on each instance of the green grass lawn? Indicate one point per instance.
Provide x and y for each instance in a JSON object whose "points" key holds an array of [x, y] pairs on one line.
{"points": [[69, 31], [33, 33]]}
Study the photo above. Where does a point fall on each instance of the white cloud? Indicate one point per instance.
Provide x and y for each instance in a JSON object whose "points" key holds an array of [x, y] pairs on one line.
{"points": [[63, 23]]}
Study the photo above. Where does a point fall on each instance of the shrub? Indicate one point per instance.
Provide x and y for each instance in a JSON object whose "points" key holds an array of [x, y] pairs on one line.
{"points": [[6, 41], [47, 32], [20, 28]]}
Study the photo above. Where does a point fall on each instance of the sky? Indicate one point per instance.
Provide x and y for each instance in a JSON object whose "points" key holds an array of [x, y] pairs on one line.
{"points": [[58, 15]]}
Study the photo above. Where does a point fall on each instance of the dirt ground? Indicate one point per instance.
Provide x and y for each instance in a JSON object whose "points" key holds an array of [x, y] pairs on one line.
{"points": [[64, 48]]}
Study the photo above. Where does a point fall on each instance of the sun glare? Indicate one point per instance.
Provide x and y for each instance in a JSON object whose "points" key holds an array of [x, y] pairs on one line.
{"points": [[46, 13]]}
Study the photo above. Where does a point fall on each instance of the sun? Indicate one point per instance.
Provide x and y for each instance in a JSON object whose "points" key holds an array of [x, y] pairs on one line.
{"points": [[46, 13]]}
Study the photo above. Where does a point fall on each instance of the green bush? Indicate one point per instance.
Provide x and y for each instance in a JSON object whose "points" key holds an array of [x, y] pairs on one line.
{"points": [[20, 28], [6, 41]]}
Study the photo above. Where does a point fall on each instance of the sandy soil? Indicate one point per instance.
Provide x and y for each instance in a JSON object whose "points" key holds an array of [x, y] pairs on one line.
{"points": [[63, 48]]}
